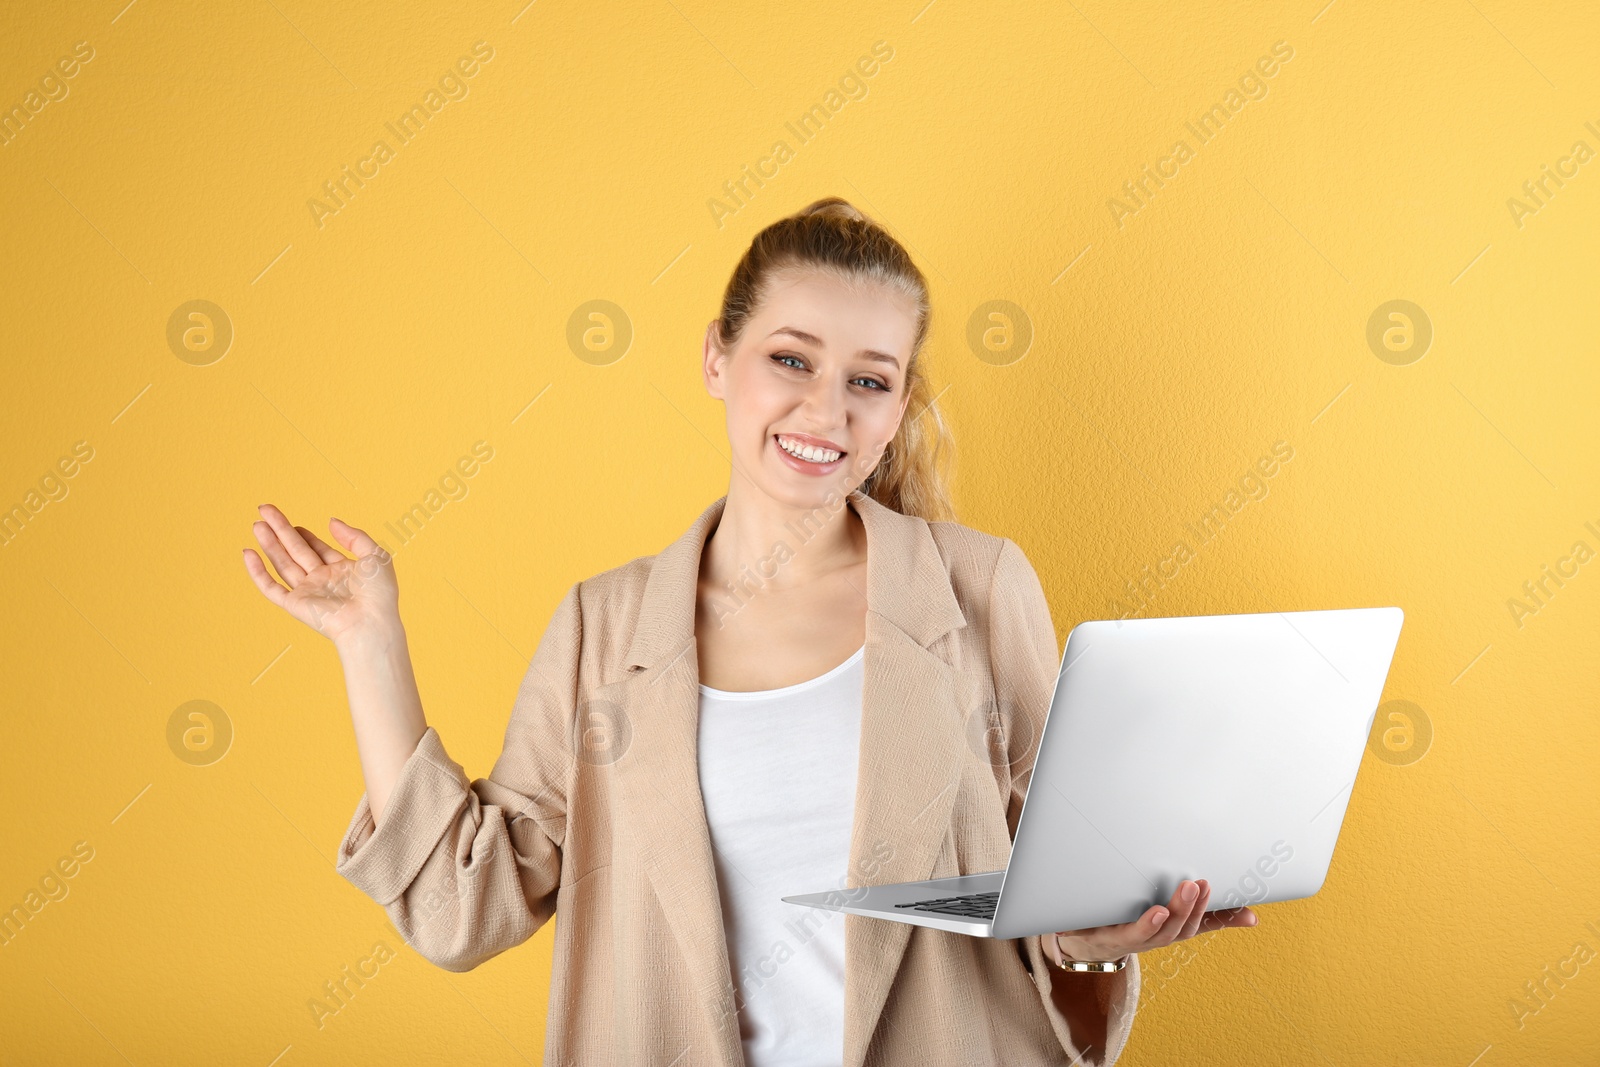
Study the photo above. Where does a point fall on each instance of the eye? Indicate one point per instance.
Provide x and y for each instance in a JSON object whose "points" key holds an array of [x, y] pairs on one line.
{"points": [[796, 362]]}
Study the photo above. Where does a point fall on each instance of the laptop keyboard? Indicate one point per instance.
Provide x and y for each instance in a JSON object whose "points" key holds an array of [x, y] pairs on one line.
{"points": [[970, 905]]}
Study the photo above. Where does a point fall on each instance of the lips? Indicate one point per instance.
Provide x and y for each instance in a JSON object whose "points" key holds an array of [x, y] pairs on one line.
{"points": [[808, 454]]}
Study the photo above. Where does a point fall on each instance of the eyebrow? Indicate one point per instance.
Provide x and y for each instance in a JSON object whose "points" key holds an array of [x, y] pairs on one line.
{"points": [[872, 354]]}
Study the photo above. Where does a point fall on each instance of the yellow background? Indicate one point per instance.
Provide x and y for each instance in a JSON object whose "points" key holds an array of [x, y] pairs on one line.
{"points": [[1228, 313]]}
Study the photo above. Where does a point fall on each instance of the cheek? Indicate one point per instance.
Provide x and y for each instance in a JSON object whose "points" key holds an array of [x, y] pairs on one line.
{"points": [[754, 400], [875, 423]]}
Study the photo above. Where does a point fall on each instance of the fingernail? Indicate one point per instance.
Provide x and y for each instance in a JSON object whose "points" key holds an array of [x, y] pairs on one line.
{"points": [[1158, 918], [1189, 891]]}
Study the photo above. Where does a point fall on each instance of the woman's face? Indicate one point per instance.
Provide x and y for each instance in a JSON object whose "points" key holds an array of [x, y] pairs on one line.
{"points": [[815, 389]]}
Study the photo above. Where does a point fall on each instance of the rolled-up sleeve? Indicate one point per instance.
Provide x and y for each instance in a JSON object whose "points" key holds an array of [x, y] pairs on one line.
{"points": [[1024, 660], [469, 868]]}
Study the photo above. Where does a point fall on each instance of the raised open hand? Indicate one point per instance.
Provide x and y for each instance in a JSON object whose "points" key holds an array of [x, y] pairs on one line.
{"points": [[1183, 917], [328, 591]]}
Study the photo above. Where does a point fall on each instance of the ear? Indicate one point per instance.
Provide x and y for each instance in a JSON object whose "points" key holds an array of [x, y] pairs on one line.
{"points": [[712, 362]]}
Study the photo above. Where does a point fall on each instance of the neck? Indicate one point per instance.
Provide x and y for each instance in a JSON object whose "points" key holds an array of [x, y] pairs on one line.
{"points": [[783, 545]]}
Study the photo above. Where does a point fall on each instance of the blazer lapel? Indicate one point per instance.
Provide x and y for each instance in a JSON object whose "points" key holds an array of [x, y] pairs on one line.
{"points": [[910, 748], [659, 783]]}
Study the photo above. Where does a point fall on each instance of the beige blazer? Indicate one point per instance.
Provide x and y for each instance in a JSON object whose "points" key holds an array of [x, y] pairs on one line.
{"points": [[593, 812]]}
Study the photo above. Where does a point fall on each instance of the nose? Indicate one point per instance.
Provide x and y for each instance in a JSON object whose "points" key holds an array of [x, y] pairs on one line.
{"points": [[824, 403]]}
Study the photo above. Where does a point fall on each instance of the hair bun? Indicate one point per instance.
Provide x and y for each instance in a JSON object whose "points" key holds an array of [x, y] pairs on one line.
{"points": [[832, 206]]}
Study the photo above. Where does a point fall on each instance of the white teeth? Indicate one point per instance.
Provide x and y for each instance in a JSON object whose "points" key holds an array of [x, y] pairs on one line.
{"points": [[811, 453]]}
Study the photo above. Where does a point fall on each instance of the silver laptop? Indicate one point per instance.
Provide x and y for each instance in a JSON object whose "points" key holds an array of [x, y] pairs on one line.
{"points": [[1222, 747]]}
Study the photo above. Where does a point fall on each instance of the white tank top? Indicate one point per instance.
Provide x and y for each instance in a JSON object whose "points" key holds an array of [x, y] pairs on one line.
{"points": [[778, 775]]}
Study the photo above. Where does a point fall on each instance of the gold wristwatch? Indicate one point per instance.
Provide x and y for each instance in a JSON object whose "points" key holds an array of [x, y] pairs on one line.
{"points": [[1090, 967], [1105, 967]]}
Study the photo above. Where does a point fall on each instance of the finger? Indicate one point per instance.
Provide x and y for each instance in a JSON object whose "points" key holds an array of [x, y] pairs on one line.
{"points": [[1133, 933], [1192, 925], [352, 539], [299, 551], [1151, 922], [1138, 934], [1152, 919], [288, 570], [326, 552], [1179, 906], [264, 581], [1218, 920]]}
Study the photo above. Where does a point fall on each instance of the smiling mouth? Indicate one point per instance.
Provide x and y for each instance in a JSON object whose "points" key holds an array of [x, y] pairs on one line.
{"points": [[807, 452]]}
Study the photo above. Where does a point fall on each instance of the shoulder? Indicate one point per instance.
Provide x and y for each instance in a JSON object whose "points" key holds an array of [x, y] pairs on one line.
{"points": [[592, 628], [997, 587], [613, 596], [964, 546], [980, 562]]}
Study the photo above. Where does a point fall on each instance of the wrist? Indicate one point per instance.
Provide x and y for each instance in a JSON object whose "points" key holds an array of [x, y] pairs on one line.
{"points": [[379, 638]]}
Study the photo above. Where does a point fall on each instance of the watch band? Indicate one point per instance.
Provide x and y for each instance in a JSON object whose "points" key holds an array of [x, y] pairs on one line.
{"points": [[1089, 966], [1101, 967]]}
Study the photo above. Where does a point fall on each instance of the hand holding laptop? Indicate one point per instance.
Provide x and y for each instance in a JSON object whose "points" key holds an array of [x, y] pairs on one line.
{"points": [[1183, 917]]}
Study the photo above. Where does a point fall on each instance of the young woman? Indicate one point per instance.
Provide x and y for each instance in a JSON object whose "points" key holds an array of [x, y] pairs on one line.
{"points": [[826, 682]]}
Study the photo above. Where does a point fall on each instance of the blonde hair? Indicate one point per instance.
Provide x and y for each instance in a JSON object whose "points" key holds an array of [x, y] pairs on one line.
{"points": [[912, 476]]}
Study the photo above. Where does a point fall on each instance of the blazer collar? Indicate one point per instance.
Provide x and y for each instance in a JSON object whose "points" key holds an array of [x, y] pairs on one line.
{"points": [[906, 582], [910, 757]]}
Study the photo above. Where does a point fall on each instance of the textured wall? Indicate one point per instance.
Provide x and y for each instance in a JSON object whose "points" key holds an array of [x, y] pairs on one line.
{"points": [[1153, 344]]}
